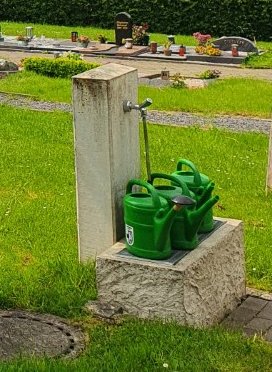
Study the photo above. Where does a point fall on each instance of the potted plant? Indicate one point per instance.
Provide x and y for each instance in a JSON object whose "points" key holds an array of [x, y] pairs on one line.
{"points": [[22, 40], [83, 40], [140, 35], [166, 50], [102, 39]]}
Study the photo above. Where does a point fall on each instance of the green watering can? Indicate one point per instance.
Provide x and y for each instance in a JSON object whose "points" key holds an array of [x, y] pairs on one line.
{"points": [[201, 185], [148, 220], [187, 222]]}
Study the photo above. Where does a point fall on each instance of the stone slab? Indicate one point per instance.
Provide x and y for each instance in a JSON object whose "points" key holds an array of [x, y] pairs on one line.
{"points": [[242, 315], [260, 324], [224, 59], [136, 49], [199, 290], [266, 311], [268, 335], [254, 303]]}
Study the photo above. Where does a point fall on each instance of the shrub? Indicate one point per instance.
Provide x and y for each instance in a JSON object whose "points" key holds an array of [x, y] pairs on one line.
{"points": [[178, 81], [59, 67], [210, 74]]}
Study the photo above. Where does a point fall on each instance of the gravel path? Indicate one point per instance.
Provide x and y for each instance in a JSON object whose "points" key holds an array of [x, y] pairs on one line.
{"points": [[235, 123], [20, 100]]}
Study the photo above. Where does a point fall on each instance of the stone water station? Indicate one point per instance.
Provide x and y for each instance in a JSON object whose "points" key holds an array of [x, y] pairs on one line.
{"points": [[159, 251]]}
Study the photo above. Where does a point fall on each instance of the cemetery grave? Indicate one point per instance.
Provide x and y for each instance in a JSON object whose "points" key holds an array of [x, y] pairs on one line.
{"points": [[133, 41], [137, 51]]}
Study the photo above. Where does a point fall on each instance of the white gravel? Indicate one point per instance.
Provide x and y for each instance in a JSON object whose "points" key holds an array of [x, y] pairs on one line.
{"points": [[235, 123]]}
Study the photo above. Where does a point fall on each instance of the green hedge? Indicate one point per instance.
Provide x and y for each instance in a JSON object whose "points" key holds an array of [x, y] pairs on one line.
{"points": [[249, 18], [59, 67]]}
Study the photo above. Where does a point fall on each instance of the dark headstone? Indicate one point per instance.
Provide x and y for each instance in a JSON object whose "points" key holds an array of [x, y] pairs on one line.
{"points": [[123, 27], [244, 45]]}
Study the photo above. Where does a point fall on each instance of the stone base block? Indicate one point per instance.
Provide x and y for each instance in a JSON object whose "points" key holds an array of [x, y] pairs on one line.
{"points": [[199, 290]]}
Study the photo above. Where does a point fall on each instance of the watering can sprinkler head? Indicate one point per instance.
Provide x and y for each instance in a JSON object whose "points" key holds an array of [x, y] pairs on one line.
{"points": [[128, 105], [181, 201], [147, 102]]}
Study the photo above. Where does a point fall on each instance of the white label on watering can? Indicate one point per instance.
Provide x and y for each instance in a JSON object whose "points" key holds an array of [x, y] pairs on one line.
{"points": [[129, 234]]}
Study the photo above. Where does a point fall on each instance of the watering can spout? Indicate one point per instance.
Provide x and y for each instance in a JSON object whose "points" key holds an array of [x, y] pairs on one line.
{"points": [[194, 218], [163, 221], [206, 194]]}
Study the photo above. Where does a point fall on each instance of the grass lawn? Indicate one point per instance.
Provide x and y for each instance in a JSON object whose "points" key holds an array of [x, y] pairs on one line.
{"points": [[38, 86], [260, 61], [227, 96], [64, 32], [38, 252], [232, 96]]}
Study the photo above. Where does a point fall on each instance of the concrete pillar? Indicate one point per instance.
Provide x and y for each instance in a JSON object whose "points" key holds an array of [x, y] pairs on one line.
{"points": [[106, 151]]}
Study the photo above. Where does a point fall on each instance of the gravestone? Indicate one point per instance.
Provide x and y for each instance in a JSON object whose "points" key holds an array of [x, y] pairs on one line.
{"points": [[123, 27], [244, 45]]}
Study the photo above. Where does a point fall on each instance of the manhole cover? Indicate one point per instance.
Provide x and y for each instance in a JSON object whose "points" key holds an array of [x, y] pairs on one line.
{"points": [[29, 334]]}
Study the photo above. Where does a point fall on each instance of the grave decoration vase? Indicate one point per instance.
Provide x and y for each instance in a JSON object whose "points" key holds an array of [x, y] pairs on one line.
{"points": [[167, 52], [153, 47], [23, 43], [182, 51], [74, 36], [234, 50], [129, 43], [145, 40], [84, 44]]}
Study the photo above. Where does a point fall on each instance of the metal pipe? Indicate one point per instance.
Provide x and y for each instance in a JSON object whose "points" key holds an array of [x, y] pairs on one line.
{"points": [[147, 156], [127, 107]]}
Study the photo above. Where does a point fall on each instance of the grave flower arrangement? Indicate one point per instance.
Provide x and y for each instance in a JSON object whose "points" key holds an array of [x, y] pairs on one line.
{"points": [[140, 35], [22, 38], [102, 39], [84, 40], [204, 45]]}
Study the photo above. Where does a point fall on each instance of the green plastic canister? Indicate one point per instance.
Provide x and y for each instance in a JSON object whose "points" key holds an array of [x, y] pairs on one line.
{"points": [[148, 219], [200, 184]]}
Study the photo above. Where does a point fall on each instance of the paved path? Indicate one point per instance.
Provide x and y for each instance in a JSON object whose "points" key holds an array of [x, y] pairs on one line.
{"points": [[146, 68], [253, 316]]}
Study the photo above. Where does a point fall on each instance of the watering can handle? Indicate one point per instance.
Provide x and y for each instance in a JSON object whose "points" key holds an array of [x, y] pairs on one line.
{"points": [[197, 178], [151, 189], [174, 179]]}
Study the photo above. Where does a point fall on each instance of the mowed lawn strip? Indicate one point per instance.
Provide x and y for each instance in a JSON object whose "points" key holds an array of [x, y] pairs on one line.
{"points": [[233, 96]]}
